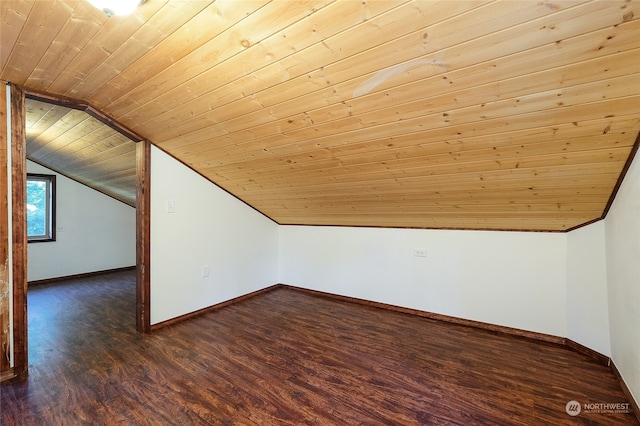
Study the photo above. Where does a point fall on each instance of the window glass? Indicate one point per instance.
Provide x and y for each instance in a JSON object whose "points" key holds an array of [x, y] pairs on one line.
{"points": [[40, 207]]}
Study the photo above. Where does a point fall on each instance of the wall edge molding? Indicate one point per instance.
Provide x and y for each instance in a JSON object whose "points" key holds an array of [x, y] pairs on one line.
{"points": [[82, 275], [213, 308], [492, 328]]}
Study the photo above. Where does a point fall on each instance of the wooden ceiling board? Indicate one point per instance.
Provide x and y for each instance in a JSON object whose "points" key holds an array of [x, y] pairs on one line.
{"points": [[320, 93], [13, 19], [67, 131], [215, 17], [106, 42], [437, 85], [420, 131], [470, 114], [159, 26], [265, 97], [34, 37], [290, 72], [77, 145], [196, 72], [278, 49], [42, 116], [514, 145], [69, 41], [51, 137], [441, 165], [76, 160]]}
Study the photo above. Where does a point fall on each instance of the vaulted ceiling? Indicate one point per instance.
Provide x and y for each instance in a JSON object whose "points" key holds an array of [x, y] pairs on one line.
{"points": [[78, 145], [429, 114]]}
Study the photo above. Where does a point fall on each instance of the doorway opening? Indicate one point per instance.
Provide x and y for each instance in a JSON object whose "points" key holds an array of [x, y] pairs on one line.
{"points": [[108, 136]]}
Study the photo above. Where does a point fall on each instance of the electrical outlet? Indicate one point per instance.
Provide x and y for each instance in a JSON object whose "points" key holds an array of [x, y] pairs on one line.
{"points": [[171, 206], [205, 271], [419, 252]]}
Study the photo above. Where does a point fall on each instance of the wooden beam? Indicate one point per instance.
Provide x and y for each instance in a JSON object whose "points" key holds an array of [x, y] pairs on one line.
{"points": [[19, 223], [143, 235], [83, 106], [5, 354]]}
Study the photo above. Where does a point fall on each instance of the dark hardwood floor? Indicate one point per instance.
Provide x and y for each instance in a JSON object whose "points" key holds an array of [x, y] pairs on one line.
{"points": [[286, 357]]}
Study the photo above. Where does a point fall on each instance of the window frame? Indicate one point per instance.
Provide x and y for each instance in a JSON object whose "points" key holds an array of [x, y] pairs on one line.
{"points": [[50, 208]]}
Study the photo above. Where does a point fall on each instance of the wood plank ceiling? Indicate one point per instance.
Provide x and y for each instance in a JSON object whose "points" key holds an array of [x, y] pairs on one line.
{"points": [[78, 145], [430, 114]]}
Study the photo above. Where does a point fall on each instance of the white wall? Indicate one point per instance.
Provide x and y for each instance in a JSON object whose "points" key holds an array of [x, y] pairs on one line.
{"points": [[209, 228], [99, 233], [623, 273], [583, 285], [514, 279], [587, 309]]}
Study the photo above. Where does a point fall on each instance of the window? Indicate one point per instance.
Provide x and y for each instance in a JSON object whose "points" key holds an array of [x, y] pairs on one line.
{"points": [[41, 207]]}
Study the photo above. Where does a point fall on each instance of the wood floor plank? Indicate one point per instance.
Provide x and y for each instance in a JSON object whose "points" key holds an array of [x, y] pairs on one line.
{"points": [[286, 357]]}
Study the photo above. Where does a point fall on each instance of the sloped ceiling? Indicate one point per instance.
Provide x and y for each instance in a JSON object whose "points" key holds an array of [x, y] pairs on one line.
{"points": [[78, 145], [428, 114]]}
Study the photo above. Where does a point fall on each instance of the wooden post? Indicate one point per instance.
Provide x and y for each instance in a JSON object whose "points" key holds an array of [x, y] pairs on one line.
{"points": [[19, 231], [5, 344], [143, 228]]}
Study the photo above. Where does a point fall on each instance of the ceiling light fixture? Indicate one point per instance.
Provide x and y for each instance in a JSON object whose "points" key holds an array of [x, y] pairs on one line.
{"points": [[116, 7]]}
